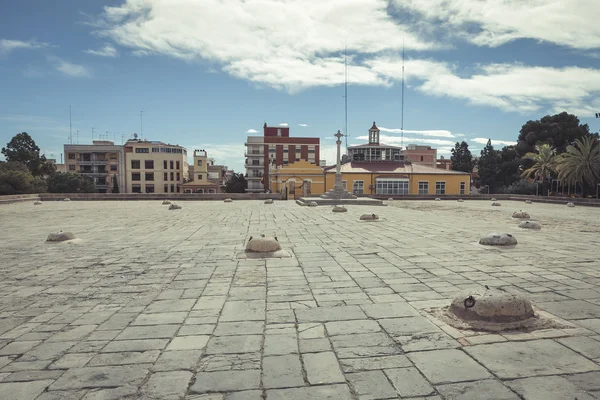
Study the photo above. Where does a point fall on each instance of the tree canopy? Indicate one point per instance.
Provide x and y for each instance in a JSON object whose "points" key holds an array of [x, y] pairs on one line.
{"points": [[558, 131], [66, 182], [488, 166], [22, 148], [581, 163], [236, 184], [15, 178], [462, 159], [115, 188]]}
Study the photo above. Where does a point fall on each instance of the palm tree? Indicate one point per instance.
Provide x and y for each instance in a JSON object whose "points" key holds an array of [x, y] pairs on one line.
{"points": [[581, 162], [544, 162]]}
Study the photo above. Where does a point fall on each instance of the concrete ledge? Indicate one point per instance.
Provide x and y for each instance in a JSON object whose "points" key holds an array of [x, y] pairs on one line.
{"points": [[18, 198], [158, 196], [361, 201]]}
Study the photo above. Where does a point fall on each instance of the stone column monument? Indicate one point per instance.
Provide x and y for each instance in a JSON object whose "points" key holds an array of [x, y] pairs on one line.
{"points": [[339, 191]]}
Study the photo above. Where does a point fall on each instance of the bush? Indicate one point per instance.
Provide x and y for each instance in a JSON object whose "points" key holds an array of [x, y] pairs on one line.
{"points": [[521, 187], [15, 178]]}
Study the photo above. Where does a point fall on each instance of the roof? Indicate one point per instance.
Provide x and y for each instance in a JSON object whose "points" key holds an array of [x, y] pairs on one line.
{"points": [[374, 127], [392, 168], [374, 145]]}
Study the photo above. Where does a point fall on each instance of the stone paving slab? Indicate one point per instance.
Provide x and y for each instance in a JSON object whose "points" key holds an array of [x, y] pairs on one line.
{"points": [[155, 306]]}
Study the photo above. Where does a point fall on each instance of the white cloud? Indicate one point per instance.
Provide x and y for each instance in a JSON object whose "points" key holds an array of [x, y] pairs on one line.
{"points": [[251, 131], [237, 37], [396, 141], [570, 23], [435, 133], [106, 51], [70, 69], [459, 134], [7, 45], [231, 155], [303, 125], [284, 124], [495, 142]]}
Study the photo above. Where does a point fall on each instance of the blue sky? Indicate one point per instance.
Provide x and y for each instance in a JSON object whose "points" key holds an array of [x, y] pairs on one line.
{"points": [[206, 72]]}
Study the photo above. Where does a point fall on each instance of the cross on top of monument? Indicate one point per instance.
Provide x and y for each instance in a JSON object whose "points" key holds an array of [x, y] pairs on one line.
{"points": [[338, 134]]}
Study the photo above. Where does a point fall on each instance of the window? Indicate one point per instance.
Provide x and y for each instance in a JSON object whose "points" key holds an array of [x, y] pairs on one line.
{"points": [[166, 189], [172, 176], [136, 188], [165, 165], [285, 162], [172, 188], [136, 176], [166, 177], [142, 150], [135, 164], [285, 150], [278, 132], [297, 159], [311, 150], [200, 191], [345, 184], [149, 177], [149, 188], [358, 187], [113, 167], [71, 156], [199, 177], [423, 187], [440, 188], [149, 164], [391, 186], [72, 167], [177, 165], [255, 162], [171, 163], [421, 158], [113, 156], [463, 186], [178, 177], [212, 191]]}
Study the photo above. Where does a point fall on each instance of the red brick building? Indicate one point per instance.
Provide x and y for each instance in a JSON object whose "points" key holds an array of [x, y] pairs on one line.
{"points": [[275, 148]]}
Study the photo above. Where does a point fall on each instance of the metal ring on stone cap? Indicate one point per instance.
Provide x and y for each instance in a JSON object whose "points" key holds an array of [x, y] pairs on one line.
{"points": [[469, 302]]}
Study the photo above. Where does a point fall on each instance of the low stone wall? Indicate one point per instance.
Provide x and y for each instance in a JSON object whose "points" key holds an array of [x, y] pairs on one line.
{"points": [[558, 200], [18, 198], [434, 196], [157, 196]]}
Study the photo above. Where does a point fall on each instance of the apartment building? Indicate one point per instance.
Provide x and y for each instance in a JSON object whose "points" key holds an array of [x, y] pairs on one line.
{"points": [[276, 148], [422, 155], [154, 167], [103, 161], [204, 175]]}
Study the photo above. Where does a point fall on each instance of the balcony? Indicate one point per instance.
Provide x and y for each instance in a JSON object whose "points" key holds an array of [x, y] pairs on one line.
{"points": [[254, 177], [255, 166], [260, 154]]}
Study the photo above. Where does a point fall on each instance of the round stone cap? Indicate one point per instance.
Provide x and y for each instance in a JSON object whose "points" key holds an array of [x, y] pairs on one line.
{"points": [[37, 202], [312, 204], [530, 225], [438, 199], [570, 204], [174, 207], [339, 209], [491, 305], [228, 200], [460, 200], [528, 201], [521, 214], [269, 201], [60, 237], [166, 202], [66, 199], [390, 199], [498, 239], [493, 199], [496, 204], [262, 244], [369, 217]]}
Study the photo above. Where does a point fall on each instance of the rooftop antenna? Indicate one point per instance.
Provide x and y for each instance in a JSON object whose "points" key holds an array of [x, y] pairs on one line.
{"points": [[77, 136], [92, 135], [70, 127], [346, 96], [141, 124], [402, 114], [122, 138]]}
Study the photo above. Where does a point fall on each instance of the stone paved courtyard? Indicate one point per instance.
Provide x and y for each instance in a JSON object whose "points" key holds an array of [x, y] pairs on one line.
{"points": [[153, 304]]}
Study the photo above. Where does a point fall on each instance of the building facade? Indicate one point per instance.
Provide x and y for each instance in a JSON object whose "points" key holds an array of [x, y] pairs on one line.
{"points": [[299, 179], [276, 148], [374, 151], [101, 161], [154, 167], [422, 155], [204, 176], [399, 178]]}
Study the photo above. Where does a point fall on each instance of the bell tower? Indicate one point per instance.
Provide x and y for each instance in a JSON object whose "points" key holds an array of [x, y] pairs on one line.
{"points": [[374, 135]]}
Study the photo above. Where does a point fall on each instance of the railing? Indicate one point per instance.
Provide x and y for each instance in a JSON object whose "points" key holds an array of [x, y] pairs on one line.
{"points": [[261, 154]]}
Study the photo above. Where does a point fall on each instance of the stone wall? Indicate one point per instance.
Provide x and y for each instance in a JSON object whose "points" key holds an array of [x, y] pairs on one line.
{"points": [[18, 198]]}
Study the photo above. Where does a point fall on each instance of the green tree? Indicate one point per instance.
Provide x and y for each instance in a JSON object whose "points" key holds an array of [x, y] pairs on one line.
{"points": [[581, 163], [66, 182], [22, 148], [508, 166], [544, 163], [236, 184], [15, 178], [559, 131], [115, 188], [488, 167], [462, 159]]}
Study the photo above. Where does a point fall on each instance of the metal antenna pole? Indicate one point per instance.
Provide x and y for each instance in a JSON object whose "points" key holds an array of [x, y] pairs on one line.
{"points": [[92, 135], [346, 96], [402, 114], [141, 124], [70, 127], [77, 136]]}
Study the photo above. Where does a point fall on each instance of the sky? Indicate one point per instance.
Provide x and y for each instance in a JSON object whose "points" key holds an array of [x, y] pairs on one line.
{"points": [[208, 73]]}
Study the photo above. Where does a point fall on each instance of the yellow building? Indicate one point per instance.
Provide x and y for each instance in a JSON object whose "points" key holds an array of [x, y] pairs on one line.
{"points": [[154, 167], [201, 180], [398, 178], [301, 178]]}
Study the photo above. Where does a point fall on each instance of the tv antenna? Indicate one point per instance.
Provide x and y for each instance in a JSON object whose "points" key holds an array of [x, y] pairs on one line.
{"points": [[70, 127], [141, 124], [92, 135], [77, 136], [346, 96], [402, 113]]}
